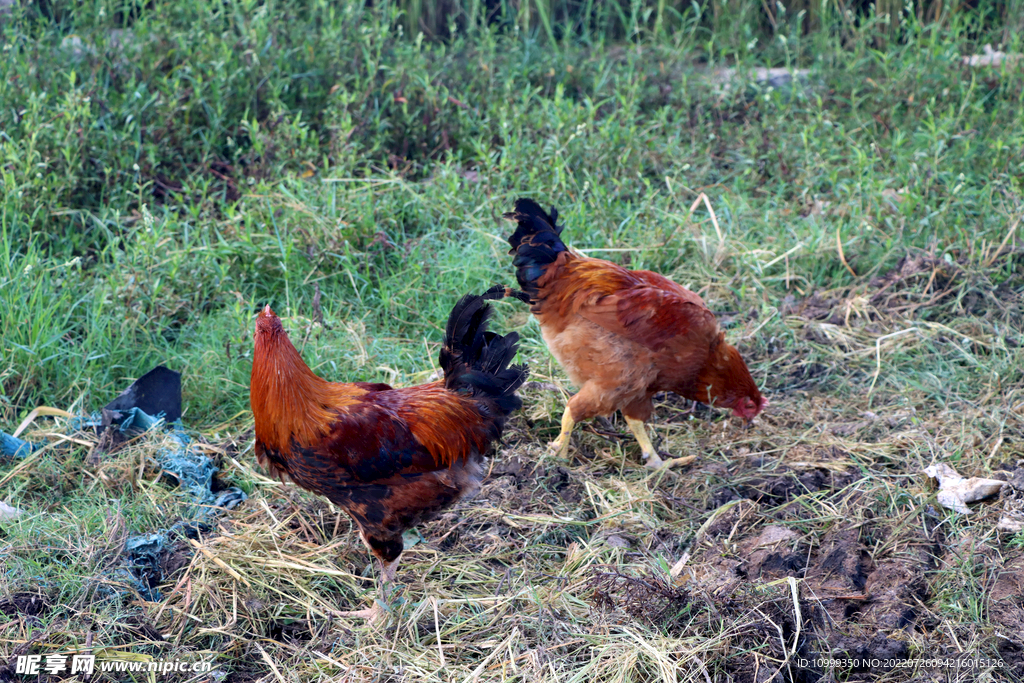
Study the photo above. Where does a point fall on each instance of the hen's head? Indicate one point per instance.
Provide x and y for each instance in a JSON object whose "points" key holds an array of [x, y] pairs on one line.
{"points": [[748, 407], [725, 382]]}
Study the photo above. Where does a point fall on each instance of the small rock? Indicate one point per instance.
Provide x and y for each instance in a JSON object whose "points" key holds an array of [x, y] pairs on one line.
{"points": [[774, 534], [8, 512], [78, 48], [991, 57], [617, 541], [1011, 522], [955, 491], [774, 77], [121, 39]]}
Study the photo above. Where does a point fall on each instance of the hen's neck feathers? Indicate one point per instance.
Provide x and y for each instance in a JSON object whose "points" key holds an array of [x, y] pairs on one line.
{"points": [[289, 402], [724, 377]]}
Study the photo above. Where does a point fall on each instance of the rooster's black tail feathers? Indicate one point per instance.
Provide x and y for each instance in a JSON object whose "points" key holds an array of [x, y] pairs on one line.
{"points": [[476, 360]]}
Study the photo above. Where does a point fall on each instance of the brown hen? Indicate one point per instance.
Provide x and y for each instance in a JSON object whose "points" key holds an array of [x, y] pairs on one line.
{"points": [[623, 335]]}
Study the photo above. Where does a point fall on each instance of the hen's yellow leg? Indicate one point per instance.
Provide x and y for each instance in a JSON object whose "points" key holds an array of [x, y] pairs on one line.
{"points": [[653, 460], [650, 456], [561, 444]]}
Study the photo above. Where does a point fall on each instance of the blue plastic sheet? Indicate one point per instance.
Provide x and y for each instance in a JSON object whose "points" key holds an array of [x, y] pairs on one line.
{"points": [[194, 472], [13, 447]]}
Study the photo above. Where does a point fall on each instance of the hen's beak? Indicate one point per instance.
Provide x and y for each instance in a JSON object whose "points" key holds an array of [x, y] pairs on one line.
{"points": [[266, 312]]}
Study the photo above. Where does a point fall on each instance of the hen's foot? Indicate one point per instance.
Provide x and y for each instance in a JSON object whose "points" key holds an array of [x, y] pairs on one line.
{"points": [[559, 447], [652, 460], [372, 615], [655, 462]]}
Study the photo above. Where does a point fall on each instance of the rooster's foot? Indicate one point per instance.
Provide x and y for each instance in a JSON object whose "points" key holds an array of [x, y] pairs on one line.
{"points": [[653, 460]]}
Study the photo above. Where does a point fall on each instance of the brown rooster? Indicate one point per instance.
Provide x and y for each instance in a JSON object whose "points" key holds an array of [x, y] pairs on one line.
{"points": [[623, 335], [391, 458]]}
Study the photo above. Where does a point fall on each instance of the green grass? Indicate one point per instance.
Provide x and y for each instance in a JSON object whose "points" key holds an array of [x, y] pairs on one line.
{"points": [[160, 185], [174, 257]]}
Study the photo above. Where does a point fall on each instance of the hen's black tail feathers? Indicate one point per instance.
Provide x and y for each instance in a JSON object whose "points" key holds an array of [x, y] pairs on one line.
{"points": [[476, 360], [536, 242]]}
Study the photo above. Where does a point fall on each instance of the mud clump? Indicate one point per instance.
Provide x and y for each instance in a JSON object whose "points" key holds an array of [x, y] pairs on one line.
{"points": [[784, 487], [894, 589], [1006, 600], [841, 564], [775, 553], [518, 483], [24, 604], [648, 599]]}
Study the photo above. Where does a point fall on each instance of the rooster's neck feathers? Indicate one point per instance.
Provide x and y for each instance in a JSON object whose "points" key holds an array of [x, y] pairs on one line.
{"points": [[289, 402]]}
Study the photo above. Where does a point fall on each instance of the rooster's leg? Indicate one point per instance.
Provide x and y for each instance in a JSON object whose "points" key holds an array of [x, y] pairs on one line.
{"points": [[650, 456], [387, 573], [375, 613], [560, 446]]}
